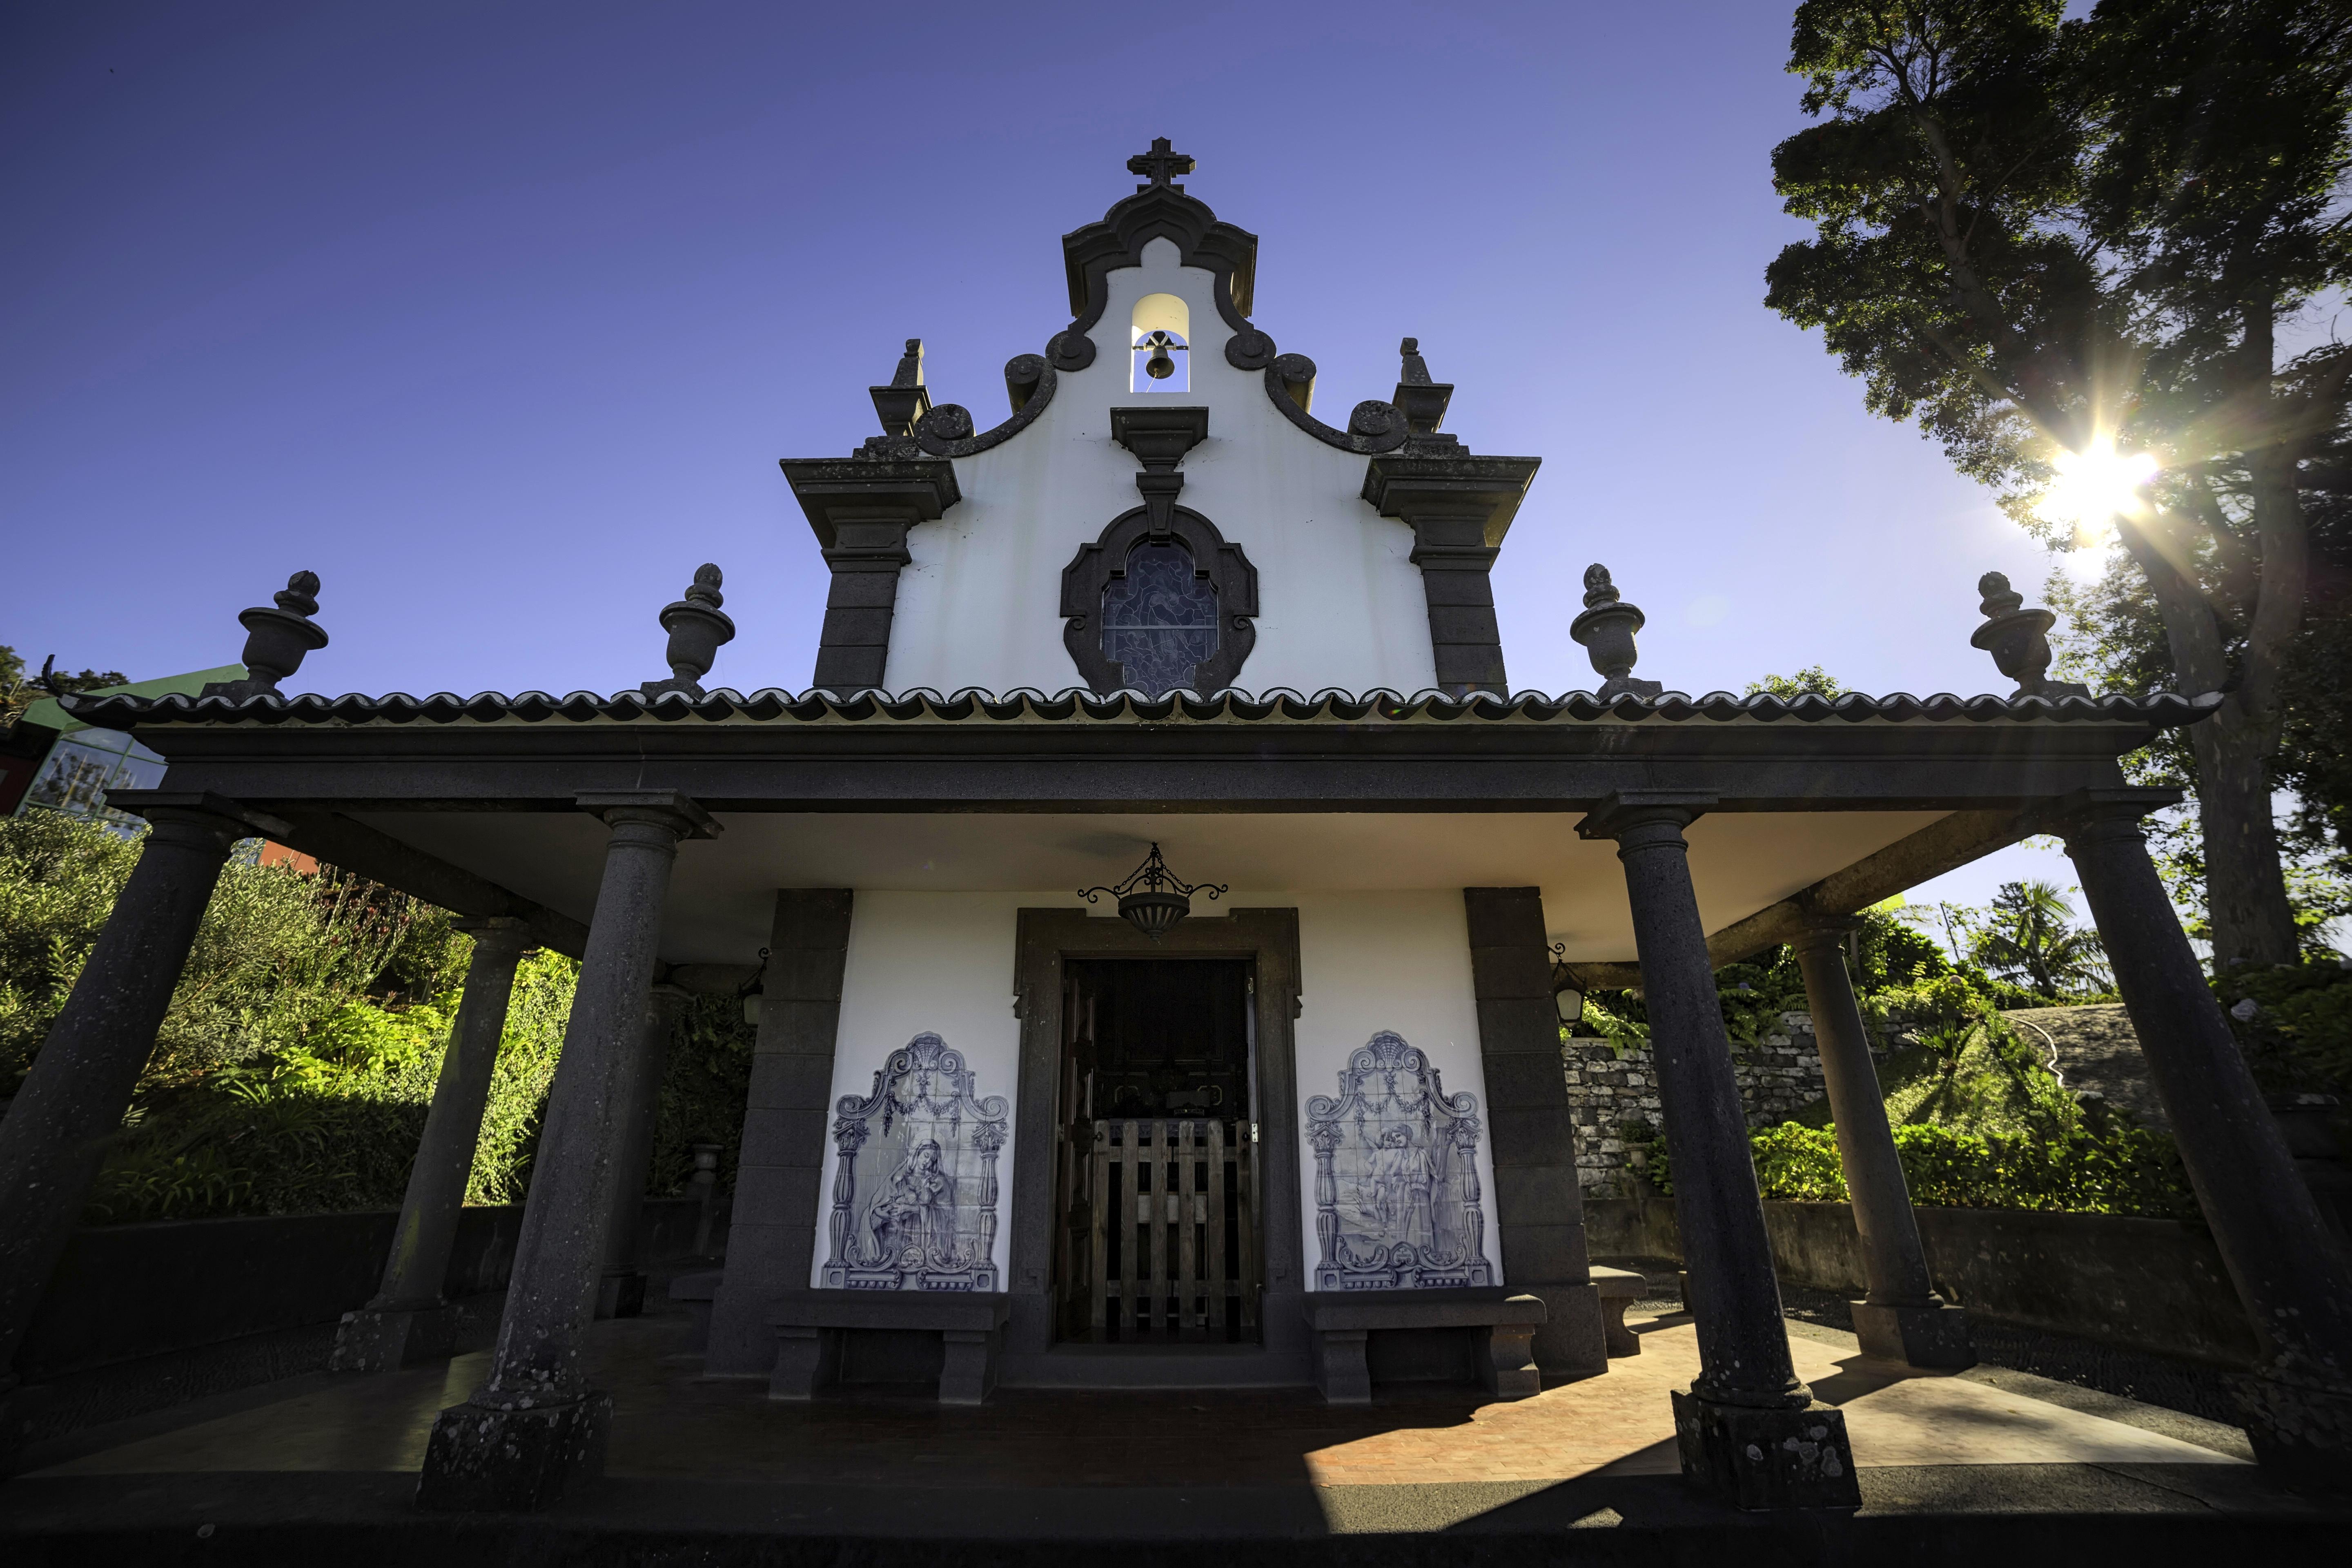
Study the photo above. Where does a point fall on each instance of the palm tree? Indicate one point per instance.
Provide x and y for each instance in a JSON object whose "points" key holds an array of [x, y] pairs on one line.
{"points": [[2028, 939]]}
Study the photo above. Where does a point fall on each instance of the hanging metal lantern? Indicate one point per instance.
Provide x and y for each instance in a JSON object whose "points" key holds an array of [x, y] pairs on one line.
{"points": [[1153, 898], [1567, 991], [752, 990]]}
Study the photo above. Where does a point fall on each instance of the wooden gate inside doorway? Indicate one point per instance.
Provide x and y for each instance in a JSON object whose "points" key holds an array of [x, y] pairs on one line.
{"points": [[1171, 1252]]}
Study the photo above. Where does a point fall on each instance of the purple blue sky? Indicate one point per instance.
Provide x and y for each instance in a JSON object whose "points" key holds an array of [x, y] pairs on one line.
{"points": [[498, 316]]}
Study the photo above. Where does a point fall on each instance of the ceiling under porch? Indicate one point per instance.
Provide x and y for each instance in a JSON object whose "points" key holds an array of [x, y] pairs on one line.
{"points": [[721, 896]]}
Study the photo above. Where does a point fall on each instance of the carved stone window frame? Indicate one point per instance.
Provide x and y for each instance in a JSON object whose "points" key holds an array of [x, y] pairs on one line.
{"points": [[1097, 566]]}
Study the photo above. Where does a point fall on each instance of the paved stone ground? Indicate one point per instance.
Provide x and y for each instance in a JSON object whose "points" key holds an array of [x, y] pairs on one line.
{"points": [[320, 1467]]}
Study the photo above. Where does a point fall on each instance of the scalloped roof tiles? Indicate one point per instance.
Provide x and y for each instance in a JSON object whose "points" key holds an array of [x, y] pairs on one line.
{"points": [[770, 705]]}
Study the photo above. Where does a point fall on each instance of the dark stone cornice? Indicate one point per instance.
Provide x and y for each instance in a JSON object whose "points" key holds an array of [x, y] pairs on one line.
{"points": [[836, 491], [123, 712], [1489, 490]]}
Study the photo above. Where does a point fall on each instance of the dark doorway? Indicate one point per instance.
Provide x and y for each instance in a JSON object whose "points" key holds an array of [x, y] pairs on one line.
{"points": [[1159, 1186]]}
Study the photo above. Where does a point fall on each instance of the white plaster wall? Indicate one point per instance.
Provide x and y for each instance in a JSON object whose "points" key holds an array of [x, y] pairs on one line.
{"points": [[943, 962], [1397, 961], [936, 963], [1339, 600]]}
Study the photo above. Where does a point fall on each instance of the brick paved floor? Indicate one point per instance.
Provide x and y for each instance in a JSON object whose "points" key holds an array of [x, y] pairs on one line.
{"points": [[671, 1425]]}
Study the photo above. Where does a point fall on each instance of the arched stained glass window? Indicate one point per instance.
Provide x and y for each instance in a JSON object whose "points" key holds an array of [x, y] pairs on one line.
{"points": [[1160, 621]]}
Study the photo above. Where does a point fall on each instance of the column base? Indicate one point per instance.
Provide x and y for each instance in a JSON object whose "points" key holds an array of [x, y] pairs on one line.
{"points": [[2301, 1432], [378, 1339], [1758, 1459], [482, 1459], [1930, 1336]]}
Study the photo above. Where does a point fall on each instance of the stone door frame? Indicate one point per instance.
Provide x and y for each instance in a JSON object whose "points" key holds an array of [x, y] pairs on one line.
{"points": [[1047, 938]]}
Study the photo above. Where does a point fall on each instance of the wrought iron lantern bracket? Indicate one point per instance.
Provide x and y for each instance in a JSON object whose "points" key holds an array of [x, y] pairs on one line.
{"points": [[1152, 898]]}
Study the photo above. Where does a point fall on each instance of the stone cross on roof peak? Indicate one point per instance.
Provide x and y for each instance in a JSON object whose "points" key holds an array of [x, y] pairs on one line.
{"points": [[1160, 166]]}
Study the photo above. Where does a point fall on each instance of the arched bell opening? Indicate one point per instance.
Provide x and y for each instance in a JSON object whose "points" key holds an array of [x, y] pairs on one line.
{"points": [[1159, 336]]}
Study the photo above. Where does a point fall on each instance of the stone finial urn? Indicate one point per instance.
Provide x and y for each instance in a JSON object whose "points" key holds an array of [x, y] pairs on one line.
{"points": [[276, 638], [1606, 629], [697, 628], [2019, 639]]}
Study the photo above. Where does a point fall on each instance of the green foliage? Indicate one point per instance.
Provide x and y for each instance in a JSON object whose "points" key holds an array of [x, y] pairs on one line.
{"points": [[2027, 938], [703, 1092], [1812, 680], [2116, 1170], [1621, 1022], [331, 1122], [59, 878], [2044, 238], [2294, 1023]]}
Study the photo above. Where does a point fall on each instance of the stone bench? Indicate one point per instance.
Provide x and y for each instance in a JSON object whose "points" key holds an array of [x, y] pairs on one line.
{"points": [[828, 1338], [1619, 1288], [1420, 1329]]}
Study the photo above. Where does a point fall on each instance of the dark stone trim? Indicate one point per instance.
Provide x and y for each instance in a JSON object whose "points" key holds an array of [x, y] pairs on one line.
{"points": [[355, 846], [772, 1239], [1228, 570], [2161, 710], [1091, 254], [1372, 426], [861, 508], [1459, 508], [1539, 1206], [946, 431], [1045, 938]]}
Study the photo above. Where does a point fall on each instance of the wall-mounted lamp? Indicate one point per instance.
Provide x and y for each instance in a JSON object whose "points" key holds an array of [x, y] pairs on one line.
{"points": [[752, 990], [1567, 991]]}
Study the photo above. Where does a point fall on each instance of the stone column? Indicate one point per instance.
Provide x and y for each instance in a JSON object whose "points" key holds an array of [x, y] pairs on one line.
{"points": [[771, 1238], [1538, 1207], [1747, 1428], [1902, 1319], [2289, 1271], [409, 1319], [81, 1082], [536, 1431], [620, 1285]]}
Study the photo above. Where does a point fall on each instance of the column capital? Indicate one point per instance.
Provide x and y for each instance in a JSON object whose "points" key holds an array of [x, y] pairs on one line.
{"points": [[2082, 808], [670, 808], [1823, 929], [497, 933], [1630, 809]]}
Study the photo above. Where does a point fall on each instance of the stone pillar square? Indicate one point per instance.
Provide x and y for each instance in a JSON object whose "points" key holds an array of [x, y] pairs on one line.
{"points": [[1747, 1428], [535, 1431], [772, 1236], [1539, 1206]]}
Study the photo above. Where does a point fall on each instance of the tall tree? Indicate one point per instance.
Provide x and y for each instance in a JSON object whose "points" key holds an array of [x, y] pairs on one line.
{"points": [[2068, 249], [2028, 939]]}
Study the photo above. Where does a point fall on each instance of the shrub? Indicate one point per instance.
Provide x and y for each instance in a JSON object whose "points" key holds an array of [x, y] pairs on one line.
{"points": [[2294, 1023], [2116, 1170]]}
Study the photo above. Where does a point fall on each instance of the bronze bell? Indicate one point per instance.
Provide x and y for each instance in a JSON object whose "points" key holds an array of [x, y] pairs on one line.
{"points": [[1160, 366]]}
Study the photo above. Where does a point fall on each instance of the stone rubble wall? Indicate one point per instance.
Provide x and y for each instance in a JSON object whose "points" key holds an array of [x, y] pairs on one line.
{"points": [[1779, 1076]]}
